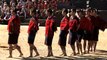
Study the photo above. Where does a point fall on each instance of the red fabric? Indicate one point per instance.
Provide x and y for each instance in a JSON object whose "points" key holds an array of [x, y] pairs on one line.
{"points": [[100, 23], [86, 24], [73, 24], [14, 25], [64, 25], [45, 5], [48, 26], [33, 25]]}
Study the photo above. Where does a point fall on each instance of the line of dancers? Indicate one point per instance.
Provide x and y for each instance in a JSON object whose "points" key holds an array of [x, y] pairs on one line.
{"points": [[80, 25]]}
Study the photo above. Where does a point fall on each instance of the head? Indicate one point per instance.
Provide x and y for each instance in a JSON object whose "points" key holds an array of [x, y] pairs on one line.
{"points": [[34, 12], [5, 4], [73, 12], [64, 12], [88, 11], [49, 12], [13, 11], [80, 13], [94, 12]]}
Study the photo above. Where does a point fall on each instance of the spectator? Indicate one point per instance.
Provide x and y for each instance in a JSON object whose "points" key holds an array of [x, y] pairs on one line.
{"points": [[7, 14], [3, 9], [13, 4], [20, 4], [29, 4], [23, 12]]}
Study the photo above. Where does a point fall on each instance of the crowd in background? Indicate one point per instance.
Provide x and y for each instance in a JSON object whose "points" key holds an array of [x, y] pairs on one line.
{"points": [[24, 7]]}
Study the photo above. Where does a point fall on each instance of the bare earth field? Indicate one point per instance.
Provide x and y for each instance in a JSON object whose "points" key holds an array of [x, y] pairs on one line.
{"points": [[101, 53]]}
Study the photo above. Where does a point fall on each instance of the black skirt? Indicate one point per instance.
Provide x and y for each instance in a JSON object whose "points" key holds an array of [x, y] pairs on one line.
{"points": [[63, 38], [95, 34], [13, 38], [48, 40], [31, 37], [87, 35], [80, 34], [72, 37]]}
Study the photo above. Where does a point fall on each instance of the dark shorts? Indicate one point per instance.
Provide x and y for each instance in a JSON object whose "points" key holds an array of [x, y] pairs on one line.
{"points": [[87, 36], [62, 38], [80, 34], [72, 37], [13, 38], [48, 40], [31, 37], [95, 34]]}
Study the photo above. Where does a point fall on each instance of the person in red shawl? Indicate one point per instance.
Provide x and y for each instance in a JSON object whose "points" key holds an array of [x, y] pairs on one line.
{"points": [[50, 28], [88, 34], [99, 24], [64, 26], [80, 29], [14, 30], [32, 30], [73, 26], [84, 25]]}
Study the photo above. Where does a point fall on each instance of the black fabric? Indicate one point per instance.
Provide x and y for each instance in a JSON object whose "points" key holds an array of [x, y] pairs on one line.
{"points": [[48, 40], [31, 36], [13, 38], [62, 38], [72, 37]]}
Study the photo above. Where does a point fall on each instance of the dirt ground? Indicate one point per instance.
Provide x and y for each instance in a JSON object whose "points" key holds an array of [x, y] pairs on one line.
{"points": [[101, 53]]}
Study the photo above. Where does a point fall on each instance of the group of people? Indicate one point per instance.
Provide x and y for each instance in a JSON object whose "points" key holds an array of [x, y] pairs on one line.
{"points": [[79, 25], [24, 7]]}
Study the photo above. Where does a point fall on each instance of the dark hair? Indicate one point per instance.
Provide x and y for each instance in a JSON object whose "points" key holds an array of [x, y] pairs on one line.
{"points": [[94, 10], [79, 10], [65, 10], [73, 10], [33, 10], [15, 10], [89, 9], [50, 11]]}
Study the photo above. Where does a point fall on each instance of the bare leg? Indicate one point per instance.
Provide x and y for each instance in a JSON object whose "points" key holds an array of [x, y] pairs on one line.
{"points": [[78, 47], [73, 48], [31, 50], [10, 50], [63, 50], [35, 49], [49, 51], [84, 44], [95, 46], [19, 49], [89, 46]]}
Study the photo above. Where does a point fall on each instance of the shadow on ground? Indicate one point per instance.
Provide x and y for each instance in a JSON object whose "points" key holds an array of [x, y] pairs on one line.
{"points": [[98, 55], [3, 46]]}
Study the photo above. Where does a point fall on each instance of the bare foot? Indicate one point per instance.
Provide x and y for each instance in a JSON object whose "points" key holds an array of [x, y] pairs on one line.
{"points": [[73, 54], [48, 55], [84, 52], [21, 55], [61, 55], [78, 53], [36, 55], [65, 54], [30, 56], [10, 57]]}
